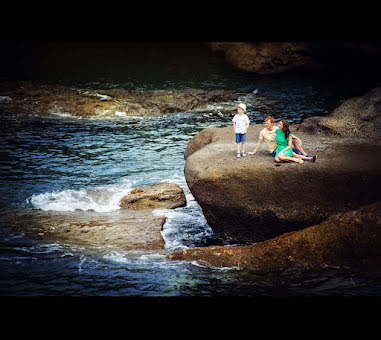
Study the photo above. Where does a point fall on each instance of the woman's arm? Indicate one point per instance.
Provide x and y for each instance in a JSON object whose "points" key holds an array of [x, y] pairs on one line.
{"points": [[296, 140]]}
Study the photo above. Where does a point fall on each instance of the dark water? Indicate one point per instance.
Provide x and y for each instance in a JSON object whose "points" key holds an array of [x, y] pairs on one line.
{"points": [[61, 163]]}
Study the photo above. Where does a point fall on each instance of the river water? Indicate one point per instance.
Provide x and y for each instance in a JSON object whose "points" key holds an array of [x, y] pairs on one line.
{"points": [[59, 163]]}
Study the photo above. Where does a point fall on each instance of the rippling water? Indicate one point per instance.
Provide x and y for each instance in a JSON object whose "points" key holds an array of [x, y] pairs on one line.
{"points": [[60, 163]]}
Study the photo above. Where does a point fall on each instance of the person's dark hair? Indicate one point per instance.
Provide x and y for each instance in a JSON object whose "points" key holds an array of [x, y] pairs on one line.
{"points": [[286, 128]]}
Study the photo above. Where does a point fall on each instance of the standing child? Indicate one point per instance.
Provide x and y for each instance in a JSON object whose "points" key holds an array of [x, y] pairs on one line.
{"points": [[241, 123]]}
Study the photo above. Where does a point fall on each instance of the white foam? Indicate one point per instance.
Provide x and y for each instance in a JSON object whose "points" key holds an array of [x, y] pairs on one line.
{"points": [[132, 257], [203, 264], [182, 225], [5, 99], [120, 113], [99, 199], [81, 262], [57, 112]]}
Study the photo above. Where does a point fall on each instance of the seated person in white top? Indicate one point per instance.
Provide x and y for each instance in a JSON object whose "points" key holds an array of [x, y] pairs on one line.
{"points": [[268, 134]]}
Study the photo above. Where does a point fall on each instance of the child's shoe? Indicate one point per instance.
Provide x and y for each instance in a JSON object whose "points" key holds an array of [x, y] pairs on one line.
{"points": [[243, 154], [238, 155]]}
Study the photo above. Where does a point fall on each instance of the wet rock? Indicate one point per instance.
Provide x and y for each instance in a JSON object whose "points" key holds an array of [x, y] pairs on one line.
{"points": [[356, 117], [26, 97], [132, 228], [158, 196], [351, 239], [119, 230]]}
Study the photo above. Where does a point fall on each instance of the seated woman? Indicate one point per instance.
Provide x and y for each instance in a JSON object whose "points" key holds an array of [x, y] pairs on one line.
{"points": [[284, 151]]}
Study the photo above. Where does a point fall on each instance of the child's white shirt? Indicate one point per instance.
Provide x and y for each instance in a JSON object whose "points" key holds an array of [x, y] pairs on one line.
{"points": [[240, 122]]}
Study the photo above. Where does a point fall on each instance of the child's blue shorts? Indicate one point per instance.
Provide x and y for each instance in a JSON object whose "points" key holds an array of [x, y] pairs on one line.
{"points": [[240, 137]]}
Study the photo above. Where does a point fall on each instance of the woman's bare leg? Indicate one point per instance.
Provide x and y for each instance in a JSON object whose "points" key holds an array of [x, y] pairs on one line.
{"points": [[304, 157], [301, 156], [283, 158]]}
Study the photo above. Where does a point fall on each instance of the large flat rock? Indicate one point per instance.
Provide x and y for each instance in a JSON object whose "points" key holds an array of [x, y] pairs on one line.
{"points": [[253, 199]]}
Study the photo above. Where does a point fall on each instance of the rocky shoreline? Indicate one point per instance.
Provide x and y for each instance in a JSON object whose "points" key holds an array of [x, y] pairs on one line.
{"points": [[297, 215], [285, 215]]}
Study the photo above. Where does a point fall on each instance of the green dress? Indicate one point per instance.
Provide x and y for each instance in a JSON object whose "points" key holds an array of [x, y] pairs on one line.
{"points": [[282, 142]]}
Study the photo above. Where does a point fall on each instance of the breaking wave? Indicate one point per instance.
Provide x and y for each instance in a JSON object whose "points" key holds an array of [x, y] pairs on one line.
{"points": [[99, 199]]}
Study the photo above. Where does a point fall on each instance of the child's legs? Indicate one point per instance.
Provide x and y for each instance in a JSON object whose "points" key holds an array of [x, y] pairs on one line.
{"points": [[237, 141], [240, 140], [243, 142]]}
